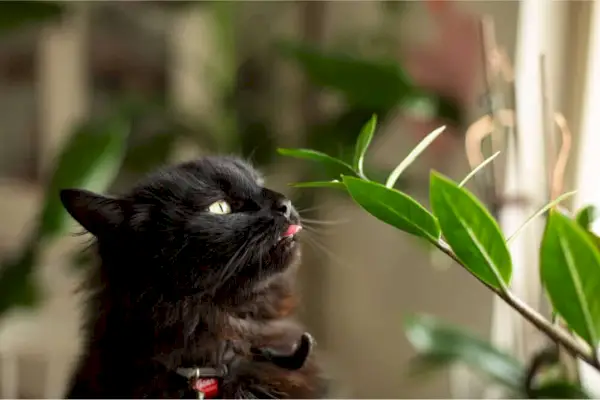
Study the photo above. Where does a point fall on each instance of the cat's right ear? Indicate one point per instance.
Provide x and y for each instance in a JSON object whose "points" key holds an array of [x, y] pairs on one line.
{"points": [[96, 213]]}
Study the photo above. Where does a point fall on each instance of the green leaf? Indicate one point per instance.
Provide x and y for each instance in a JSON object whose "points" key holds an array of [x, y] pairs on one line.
{"points": [[90, 159], [17, 285], [471, 232], [362, 144], [586, 216], [320, 184], [558, 390], [257, 142], [412, 156], [440, 345], [149, 153], [570, 272], [393, 207], [478, 168], [541, 211], [338, 135], [317, 156], [16, 14], [366, 83]]}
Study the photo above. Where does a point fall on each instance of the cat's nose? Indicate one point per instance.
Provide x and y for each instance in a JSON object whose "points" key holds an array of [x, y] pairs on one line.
{"points": [[283, 206]]}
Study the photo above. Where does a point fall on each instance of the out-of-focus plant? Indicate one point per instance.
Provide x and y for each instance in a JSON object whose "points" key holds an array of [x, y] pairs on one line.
{"points": [[16, 14], [367, 86], [461, 227], [90, 159], [439, 345], [102, 149]]}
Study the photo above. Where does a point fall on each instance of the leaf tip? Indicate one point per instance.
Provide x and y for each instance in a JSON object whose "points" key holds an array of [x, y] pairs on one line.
{"points": [[435, 175], [438, 131], [373, 119]]}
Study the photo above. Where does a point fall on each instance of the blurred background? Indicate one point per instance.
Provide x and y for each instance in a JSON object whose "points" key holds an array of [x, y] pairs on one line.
{"points": [[97, 94]]}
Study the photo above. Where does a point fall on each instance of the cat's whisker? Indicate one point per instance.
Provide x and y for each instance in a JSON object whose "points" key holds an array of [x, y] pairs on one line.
{"points": [[321, 227], [236, 262], [176, 254], [309, 209], [324, 222], [316, 231], [315, 244]]}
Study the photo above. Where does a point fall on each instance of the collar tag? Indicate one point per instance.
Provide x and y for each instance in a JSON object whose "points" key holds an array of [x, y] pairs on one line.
{"points": [[206, 387]]}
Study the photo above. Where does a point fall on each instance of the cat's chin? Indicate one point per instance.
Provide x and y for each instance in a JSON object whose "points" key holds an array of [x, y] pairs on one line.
{"points": [[286, 245], [288, 241], [285, 252]]}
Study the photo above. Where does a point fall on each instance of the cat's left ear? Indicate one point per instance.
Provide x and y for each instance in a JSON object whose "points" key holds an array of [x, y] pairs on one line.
{"points": [[96, 213]]}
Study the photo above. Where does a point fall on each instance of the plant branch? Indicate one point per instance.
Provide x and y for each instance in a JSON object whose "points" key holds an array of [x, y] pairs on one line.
{"points": [[555, 333]]}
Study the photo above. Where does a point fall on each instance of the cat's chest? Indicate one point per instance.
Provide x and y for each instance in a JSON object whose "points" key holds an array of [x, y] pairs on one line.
{"points": [[176, 373], [201, 351]]}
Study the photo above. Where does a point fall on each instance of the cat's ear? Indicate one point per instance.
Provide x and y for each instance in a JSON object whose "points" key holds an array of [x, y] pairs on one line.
{"points": [[96, 213]]}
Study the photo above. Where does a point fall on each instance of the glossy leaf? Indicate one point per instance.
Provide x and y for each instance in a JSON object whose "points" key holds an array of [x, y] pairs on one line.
{"points": [[90, 160], [16, 14], [320, 184], [586, 216], [362, 144], [439, 345], [471, 232], [317, 156], [338, 135], [570, 272], [393, 207], [412, 156]]}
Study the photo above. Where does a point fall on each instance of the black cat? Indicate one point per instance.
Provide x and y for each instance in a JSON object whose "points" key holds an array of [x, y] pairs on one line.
{"points": [[194, 295]]}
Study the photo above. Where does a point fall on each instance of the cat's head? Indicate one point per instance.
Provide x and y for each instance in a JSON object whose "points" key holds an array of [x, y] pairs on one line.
{"points": [[207, 226]]}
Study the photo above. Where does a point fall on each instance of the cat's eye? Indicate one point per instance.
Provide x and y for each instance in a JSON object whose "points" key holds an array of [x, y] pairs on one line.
{"points": [[219, 207]]}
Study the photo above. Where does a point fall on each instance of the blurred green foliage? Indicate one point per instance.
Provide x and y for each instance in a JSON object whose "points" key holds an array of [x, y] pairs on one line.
{"points": [[100, 148], [90, 159], [18, 14]]}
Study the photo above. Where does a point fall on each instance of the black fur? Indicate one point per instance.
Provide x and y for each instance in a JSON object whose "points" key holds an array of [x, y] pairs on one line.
{"points": [[177, 285]]}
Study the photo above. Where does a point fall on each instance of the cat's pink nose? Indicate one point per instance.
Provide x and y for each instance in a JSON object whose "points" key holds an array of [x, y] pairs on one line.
{"points": [[292, 230]]}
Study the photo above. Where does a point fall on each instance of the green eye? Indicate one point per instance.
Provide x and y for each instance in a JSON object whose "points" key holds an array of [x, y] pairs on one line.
{"points": [[219, 207]]}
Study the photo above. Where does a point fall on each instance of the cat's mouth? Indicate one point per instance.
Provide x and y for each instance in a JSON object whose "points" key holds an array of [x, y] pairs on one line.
{"points": [[290, 232]]}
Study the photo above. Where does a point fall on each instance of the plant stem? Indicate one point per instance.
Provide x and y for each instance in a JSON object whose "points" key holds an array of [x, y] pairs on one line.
{"points": [[555, 333]]}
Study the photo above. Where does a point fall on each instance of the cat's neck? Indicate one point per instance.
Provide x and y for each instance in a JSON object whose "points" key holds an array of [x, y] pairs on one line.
{"points": [[187, 332], [265, 311]]}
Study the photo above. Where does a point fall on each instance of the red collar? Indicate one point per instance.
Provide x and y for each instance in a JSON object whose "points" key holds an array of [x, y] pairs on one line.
{"points": [[204, 381], [207, 388]]}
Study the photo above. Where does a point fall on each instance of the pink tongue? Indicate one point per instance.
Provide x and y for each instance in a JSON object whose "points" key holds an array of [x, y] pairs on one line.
{"points": [[292, 230]]}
